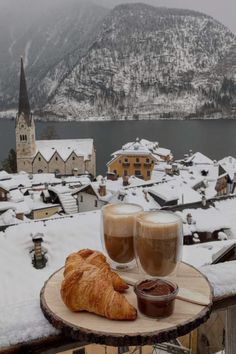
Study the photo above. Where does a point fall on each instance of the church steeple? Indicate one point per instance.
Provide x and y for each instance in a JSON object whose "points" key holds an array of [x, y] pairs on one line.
{"points": [[24, 106]]}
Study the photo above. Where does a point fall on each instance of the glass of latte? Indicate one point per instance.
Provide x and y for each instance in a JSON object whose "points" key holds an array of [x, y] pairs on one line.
{"points": [[117, 226], [158, 241]]}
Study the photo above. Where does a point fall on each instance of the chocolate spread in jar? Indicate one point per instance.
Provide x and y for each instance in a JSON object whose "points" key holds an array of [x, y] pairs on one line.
{"points": [[156, 298]]}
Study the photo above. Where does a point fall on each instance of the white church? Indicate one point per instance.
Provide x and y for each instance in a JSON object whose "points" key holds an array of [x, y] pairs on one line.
{"points": [[62, 156]]}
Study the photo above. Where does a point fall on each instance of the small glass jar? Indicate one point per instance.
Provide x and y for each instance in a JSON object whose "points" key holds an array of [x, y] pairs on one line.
{"points": [[156, 297], [158, 240], [117, 233]]}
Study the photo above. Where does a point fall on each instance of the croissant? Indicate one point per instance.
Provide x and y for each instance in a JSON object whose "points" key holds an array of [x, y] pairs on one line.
{"points": [[89, 289], [97, 259]]}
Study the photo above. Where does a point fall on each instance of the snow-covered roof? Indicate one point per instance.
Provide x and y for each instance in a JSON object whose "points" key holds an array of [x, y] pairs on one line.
{"points": [[34, 202], [65, 147], [9, 218], [162, 152], [136, 196], [16, 196], [229, 165], [205, 220], [199, 158], [4, 175], [204, 253], [164, 191]]}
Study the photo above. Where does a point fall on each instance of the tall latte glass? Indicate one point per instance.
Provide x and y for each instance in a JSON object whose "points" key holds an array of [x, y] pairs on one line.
{"points": [[117, 227], [158, 239]]}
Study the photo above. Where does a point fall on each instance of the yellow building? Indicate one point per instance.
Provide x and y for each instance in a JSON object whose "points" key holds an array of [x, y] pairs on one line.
{"points": [[137, 159]]}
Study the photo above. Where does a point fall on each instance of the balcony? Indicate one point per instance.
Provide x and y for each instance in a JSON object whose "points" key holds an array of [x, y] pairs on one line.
{"points": [[137, 164], [125, 164], [147, 164]]}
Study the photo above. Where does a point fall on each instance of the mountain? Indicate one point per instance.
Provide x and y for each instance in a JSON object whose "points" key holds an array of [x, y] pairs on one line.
{"points": [[151, 62], [133, 62], [51, 36]]}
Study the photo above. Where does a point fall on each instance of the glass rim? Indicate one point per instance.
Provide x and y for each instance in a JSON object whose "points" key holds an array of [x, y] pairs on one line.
{"points": [[144, 295], [141, 218], [123, 204]]}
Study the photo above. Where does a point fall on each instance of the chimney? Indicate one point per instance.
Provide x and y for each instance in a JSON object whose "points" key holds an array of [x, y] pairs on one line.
{"points": [[125, 181], [102, 188], [189, 219]]}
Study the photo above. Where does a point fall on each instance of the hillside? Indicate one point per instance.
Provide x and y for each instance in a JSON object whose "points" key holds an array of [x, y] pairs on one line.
{"points": [[133, 62], [150, 62]]}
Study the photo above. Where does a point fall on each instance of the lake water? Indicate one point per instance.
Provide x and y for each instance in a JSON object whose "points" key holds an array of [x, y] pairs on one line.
{"points": [[216, 139]]}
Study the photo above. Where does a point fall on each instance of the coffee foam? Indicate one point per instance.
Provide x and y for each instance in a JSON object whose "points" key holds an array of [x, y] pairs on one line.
{"points": [[118, 219], [160, 217], [158, 225], [120, 209]]}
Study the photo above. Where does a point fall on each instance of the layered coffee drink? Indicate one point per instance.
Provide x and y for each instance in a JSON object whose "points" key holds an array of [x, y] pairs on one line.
{"points": [[117, 231], [158, 242]]}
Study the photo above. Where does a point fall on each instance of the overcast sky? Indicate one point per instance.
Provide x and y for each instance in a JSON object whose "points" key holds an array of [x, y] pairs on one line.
{"points": [[222, 10]]}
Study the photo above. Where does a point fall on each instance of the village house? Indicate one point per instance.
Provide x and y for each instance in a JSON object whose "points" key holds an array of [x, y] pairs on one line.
{"points": [[137, 158], [64, 157]]}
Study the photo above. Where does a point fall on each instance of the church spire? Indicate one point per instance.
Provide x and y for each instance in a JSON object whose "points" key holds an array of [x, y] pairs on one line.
{"points": [[24, 106]]}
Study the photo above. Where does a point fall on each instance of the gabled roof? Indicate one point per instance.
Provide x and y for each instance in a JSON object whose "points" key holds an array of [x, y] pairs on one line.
{"points": [[200, 159], [64, 148]]}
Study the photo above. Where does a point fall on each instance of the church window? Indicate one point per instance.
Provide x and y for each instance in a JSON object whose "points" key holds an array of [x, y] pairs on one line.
{"points": [[22, 125]]}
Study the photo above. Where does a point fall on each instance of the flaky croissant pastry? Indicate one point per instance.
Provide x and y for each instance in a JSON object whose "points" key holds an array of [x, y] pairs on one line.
{"points": [[97, 259], [89, 289]]}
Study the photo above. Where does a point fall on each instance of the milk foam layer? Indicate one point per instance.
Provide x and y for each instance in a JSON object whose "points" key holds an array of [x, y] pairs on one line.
{"points": [[120, 209], [158, 225], [118, 219], [160, 217]]}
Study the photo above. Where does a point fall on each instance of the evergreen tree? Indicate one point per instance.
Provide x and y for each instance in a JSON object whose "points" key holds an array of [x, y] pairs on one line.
{"points": [[9, 164]]}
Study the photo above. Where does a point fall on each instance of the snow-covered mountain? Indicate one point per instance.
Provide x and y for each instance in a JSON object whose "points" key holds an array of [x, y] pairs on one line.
{"points": [[135, 61], [51, 36], [151, 62]]}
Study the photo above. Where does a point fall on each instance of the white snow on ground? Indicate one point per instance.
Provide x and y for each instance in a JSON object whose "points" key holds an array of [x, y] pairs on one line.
{"points": [[21, 282], [222, 278]]}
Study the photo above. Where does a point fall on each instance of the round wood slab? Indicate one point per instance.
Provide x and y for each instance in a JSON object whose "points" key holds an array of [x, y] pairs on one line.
{"points": [[91, 328]]}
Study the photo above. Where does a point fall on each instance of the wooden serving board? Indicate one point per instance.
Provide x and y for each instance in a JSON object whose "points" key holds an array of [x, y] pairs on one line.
{"points": [[144, 330]]}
